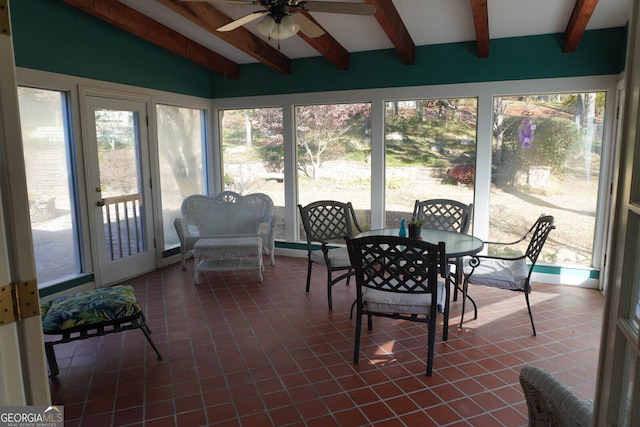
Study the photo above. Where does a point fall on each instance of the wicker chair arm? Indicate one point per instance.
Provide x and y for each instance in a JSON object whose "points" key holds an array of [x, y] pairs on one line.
{"points": [[552, 403], [186, 229], [266, 221], [265, 228]]}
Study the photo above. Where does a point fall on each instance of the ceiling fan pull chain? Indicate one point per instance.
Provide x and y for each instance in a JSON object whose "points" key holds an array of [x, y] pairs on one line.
{"points": [[278, 30]]}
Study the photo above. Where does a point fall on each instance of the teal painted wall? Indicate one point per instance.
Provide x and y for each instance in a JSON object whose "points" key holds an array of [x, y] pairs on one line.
{"points": [[600, 52], [52, 36]]}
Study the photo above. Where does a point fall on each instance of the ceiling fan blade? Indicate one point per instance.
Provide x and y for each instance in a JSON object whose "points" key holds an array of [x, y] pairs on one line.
{"points": [[241, 21], [307, 26], [338, 7]]}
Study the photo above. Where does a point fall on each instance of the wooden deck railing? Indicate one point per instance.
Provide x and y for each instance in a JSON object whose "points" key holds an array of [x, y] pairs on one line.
{"points": [[124, 234]]}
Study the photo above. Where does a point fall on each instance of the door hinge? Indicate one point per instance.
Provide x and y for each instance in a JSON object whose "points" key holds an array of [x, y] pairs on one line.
{"points": [[5, 25], [18, 301]]}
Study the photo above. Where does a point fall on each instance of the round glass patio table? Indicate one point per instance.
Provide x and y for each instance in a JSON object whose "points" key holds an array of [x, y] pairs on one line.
{"points": [[456, 245]]}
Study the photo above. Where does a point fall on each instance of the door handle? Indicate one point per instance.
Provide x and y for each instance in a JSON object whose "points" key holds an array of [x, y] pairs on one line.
{"points": [[100, 203]]}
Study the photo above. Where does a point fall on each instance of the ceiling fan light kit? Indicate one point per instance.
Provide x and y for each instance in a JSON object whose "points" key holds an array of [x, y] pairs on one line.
{"points": [[281, 18], [271, 28]]}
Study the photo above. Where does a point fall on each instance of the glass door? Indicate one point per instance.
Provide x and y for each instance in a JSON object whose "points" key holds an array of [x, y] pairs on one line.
{"points": [[618, 392], [120, 188]]}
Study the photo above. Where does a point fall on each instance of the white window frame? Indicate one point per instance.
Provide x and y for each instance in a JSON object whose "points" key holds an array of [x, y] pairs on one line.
{"points": [[485, 93]]}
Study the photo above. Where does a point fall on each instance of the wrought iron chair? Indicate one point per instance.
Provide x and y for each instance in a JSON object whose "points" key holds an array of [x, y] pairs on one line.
{"points": [[450, 215], [513, 273], [328, 222], [444, 214], [397, 277]]}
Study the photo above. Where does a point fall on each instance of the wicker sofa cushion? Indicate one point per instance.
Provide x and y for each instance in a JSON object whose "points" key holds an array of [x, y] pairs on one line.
{"points": [[79, 311]]}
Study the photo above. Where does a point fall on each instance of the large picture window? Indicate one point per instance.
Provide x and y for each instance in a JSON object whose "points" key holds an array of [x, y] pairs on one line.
{"points": [[430, 151], [181, 138], [546, 159], [253, 156], [50, 183], [334, 147]]}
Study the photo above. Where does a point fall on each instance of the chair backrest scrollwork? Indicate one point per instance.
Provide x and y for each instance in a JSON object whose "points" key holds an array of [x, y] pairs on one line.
{"points": [[328, 220], [397, 264], [443, 214], [539, 233]]}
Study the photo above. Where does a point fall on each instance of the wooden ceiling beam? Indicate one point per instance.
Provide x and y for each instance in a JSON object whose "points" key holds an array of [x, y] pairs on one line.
{"points": [[327, 46], [577, 24], [134, 22], [390, 21], [481, 23], [210, 18]]}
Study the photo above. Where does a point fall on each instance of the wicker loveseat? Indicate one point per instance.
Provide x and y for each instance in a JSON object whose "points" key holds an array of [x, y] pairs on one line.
{"points": [[226, 215]]}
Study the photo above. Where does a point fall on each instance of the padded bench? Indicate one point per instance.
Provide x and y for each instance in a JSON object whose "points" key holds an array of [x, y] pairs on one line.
{"points": [[91, 314]]}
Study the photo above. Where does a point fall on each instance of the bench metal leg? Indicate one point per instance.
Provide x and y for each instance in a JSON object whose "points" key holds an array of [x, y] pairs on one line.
{"points": [[51, 360], [196, 262], [99, 330], [147, 333]]}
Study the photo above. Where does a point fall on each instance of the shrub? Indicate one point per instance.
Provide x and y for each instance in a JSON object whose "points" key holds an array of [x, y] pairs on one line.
{"points": [[554, 141], [463, 174]]}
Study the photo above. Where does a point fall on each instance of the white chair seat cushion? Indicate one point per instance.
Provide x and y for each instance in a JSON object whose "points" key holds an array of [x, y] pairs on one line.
{"points": [[401, 302], [338, 257], [498, 273]]}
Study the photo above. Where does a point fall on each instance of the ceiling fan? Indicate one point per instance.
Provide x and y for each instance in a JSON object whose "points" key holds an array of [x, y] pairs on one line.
{"points": [[281, 18]]}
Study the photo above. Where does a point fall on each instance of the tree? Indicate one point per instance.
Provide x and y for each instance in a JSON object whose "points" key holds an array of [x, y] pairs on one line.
{"points": [[586, 107], [446, 106], [589, 129], [114, 128], [320, 128], [268, 124], [180, 141], [419, 111], [500, 107], [395, 115], [248, 128]]}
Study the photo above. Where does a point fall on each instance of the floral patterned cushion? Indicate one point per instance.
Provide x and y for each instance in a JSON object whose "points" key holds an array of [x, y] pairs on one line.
{"points": [[79, 311]]}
